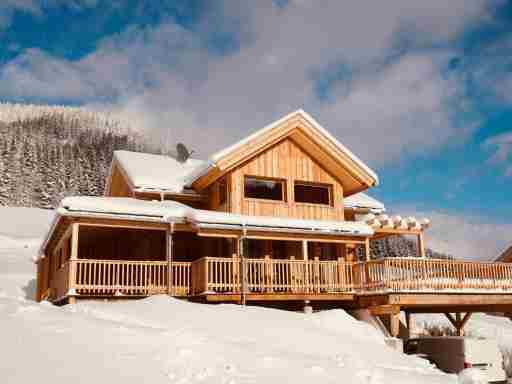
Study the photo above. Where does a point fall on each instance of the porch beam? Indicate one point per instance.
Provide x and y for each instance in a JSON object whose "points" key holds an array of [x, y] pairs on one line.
{"points": [[421, 245], [305, 257], [367, 249], [72, 263], [393, 231], [243, 270], [130, 224], [280, 236]]}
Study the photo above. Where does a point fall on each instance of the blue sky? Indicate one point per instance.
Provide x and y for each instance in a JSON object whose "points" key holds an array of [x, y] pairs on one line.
{"points": [[422, 91]]}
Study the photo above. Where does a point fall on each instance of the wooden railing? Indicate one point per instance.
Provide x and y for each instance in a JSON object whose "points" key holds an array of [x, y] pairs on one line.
{"points": [[133, 278], [212, 274], [431, 275]]}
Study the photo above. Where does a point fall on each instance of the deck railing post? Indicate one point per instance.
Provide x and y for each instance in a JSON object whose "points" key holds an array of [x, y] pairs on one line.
{"points": [[73, 257], [169, 257], [306, 265], [235, 271], [268, 274], [316, 272], [243, 270]]}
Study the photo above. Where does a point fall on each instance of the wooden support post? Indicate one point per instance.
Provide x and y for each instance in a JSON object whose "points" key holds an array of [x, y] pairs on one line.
{"points": [[235, 257], [463, 322], [394, 324], [350, 253], [421, 245], [169, 257], [306, 264], [408, 323], [459, 322], [243, 271], [367, 249], [73, 257]]}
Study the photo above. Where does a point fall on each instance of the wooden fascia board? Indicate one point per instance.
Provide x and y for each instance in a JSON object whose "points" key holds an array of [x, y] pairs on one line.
{"points": [[384, 232], [254, 148], [283, 236], [183, 196], [122, 223], [204, 181], [339, 156]]}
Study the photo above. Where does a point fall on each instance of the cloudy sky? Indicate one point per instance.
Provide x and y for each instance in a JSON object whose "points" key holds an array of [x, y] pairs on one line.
{"points": [[421, 90]]}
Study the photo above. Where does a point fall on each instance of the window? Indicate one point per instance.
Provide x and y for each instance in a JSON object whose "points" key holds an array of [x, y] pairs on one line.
{"points": [[312, 193], [259, 188], [223, 192]]}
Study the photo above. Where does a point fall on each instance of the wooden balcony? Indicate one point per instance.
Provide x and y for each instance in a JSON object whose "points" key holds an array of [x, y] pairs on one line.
{"points": [[403, 275], [210, 276]]}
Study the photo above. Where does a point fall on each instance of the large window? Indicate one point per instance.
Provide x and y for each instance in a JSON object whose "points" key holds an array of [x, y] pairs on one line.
{"points": [[223, 192], [260, 188], [312, 193]]}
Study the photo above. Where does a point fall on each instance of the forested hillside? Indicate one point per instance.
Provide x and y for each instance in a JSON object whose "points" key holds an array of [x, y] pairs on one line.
{"points": [[51, 153]]}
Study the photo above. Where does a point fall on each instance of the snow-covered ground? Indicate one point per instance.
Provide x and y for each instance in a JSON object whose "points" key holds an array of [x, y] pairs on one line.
{"points": [[163, 340]]}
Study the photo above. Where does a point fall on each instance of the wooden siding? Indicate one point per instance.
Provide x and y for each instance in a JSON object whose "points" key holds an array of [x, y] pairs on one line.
{"points": [[289, 162], [302, 130], [119, 186]]}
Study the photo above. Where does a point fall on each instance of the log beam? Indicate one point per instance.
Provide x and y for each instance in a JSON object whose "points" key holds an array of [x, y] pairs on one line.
{"points": [[459, 322]]}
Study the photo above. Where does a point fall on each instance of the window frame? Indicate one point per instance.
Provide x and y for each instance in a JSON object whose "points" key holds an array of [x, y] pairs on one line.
{"points": [[329, 187], [284, 193]]}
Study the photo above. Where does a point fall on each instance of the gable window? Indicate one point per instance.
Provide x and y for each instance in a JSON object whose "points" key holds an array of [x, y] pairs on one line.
{"points": [[261, 188], [223, 192], [312, 193]]}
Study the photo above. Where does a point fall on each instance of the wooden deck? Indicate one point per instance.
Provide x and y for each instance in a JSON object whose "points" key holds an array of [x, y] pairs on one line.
{"points": [[407, 282]]}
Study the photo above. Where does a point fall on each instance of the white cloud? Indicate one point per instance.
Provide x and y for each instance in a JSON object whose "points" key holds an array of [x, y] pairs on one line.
{"points": [[389, 105], [501, 148], [37, 7], [463, 236]]}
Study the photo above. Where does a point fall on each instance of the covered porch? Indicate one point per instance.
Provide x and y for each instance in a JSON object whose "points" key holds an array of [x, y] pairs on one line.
{"points": [[99, 258]]}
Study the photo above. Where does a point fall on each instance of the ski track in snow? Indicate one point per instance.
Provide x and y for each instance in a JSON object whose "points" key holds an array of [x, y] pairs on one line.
{"points": [[164, 340]]}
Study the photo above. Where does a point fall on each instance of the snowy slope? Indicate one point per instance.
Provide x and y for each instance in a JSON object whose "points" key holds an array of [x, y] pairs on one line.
{"points": [[163, 340]]}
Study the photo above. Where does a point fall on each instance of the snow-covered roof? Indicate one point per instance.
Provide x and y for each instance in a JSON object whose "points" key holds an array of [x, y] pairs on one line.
{"points": [[171, 211], [212, 218], [382, 221], [362, 201], [158, 173], [123, 207], [224, 152]]}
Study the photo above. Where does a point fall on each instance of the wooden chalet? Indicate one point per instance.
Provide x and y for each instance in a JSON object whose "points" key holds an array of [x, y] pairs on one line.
{"points": [[279, 218]]}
